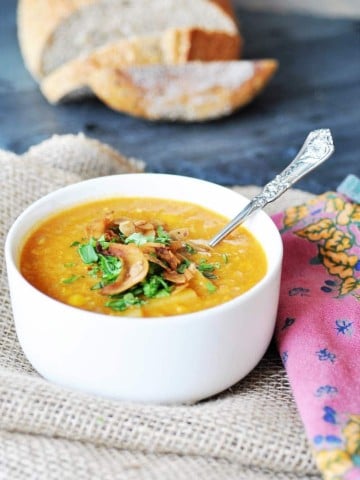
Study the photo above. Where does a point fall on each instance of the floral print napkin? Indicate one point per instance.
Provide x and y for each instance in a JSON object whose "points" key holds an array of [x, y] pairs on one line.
{"points": [[318, 328]]}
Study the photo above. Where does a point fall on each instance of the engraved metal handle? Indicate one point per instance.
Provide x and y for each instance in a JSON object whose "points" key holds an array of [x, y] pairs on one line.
{"points": [[317, 148]]}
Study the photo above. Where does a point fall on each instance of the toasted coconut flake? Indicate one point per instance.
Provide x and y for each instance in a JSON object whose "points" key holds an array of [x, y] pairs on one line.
{"points": [[174, 277], [176, 245], [149, 233], [164, 253], [150, 246], [200, 245], [135, 267], [153, 259], [127, 227], [181, 278], [179, 233], [110, 235], [144, 226], [98, 227]]}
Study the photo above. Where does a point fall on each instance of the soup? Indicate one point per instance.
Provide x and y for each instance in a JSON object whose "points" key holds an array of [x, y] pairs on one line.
{"points": [[144, 257]]}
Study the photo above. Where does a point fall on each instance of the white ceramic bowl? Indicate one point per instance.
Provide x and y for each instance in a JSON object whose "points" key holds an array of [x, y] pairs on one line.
{"points": [[175, 359]]}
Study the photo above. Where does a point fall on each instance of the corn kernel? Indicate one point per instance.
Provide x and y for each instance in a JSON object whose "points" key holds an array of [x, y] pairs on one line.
{"points": [[76, 300]]}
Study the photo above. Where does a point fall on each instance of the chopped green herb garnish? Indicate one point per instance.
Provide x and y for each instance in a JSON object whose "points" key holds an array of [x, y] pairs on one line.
{"points": [[110, 267], [183, 266], [154, 285], [70, 279], [74, 244], [210, 275], [162, 293], [139, 239], [162, 236], [207, 267], [103, 243], [125, 301], [69, 264], [94, 271], [225, 257], [88, 253], [189, 249], [211, 288], [97, 286]]}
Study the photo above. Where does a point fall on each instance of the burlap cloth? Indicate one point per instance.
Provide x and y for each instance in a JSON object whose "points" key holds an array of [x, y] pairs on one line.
{"points": [[251, 431]]}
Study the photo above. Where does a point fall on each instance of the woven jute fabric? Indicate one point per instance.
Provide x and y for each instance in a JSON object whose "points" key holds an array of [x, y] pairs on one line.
{"points": [[251, 431]]}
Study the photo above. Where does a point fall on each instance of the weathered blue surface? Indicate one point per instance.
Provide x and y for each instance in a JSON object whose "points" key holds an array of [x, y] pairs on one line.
{"points": [[317, 85]]}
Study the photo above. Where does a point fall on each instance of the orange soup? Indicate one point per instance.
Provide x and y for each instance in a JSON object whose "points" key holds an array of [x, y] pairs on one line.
{"points": [[143, 257]]}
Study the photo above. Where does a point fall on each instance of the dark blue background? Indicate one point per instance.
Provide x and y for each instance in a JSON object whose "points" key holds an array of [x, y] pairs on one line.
{"points": [[317, 85]]}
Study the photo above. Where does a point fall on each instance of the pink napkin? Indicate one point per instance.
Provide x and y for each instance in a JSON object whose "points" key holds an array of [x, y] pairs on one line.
{"points": [[318, 327]]}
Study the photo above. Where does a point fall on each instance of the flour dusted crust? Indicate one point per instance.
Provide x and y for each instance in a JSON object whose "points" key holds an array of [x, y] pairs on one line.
{"points": [[170, 47], [194, 91], [40, 21], [37, 19]]}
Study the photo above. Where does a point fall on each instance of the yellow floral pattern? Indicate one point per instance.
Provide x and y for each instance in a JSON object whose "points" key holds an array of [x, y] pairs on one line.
{"points": [[332, 227], [294, 214], [338, 242], [321, 230], [336, 462]]}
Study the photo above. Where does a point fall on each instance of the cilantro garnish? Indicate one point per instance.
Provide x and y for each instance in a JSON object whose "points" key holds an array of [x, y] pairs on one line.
{"points": [[94, 271], [139, 239], [110, 267], [154, 285], [204, 266], [162, 236], [207, 269], [189, 249], [225, 257], [183, 266], [69, 264], [70, 279], [211, 288], [107, 266], [88, 253], [103, 243], [123, 302]]}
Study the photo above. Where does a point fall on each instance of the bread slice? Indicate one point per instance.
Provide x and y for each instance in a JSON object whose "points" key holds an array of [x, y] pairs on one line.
{"points": [[170, 47], [36, 22], [195, 91], [53, 33]]}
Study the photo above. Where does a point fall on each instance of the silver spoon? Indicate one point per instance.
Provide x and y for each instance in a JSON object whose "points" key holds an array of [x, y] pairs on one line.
{"points": [[317, 148]]}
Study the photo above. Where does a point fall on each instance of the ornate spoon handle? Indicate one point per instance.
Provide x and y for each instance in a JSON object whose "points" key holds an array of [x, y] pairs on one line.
{"points": [[317, 148]]}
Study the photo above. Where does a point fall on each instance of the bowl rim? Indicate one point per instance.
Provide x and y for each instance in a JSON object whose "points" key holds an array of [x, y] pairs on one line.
{"points": [[220, 308]]}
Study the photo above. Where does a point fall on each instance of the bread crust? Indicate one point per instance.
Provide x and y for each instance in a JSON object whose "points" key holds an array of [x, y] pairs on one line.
{"points": [[171, 47], [117, 89]]}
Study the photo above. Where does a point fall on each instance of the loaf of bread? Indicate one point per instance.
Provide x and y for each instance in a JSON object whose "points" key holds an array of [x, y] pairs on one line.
{"points": [[54, 32], [158, 59]]}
